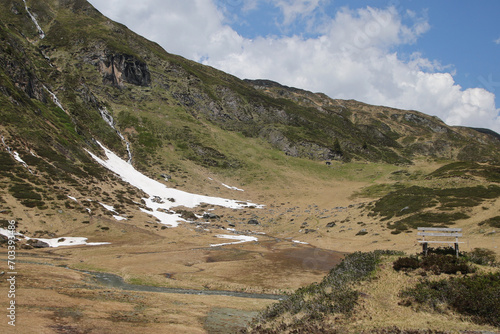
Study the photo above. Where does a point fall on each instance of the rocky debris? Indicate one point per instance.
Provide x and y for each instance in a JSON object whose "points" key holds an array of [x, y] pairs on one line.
{"points": [[210, 216], [331, 224], [38, 243], [157, 199], [166, 177], [362, 232], [253, 222]]}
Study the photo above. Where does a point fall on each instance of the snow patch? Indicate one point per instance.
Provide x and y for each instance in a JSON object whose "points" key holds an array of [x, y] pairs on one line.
{"points": [[71, 197], [241, 239], [56, 242], [232, 188], [69, 241], [15, 155], [161, 198], [108, 207]]}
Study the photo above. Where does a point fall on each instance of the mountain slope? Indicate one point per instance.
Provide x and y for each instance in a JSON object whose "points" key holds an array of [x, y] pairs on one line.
{"points": [[91, 63]]}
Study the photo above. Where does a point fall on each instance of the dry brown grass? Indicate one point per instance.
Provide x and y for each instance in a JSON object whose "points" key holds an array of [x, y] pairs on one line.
{"points": [[144, 254], [380, 306]]}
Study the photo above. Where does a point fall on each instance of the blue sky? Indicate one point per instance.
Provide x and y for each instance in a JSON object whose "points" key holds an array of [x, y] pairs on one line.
{"points": [[440, 57]]}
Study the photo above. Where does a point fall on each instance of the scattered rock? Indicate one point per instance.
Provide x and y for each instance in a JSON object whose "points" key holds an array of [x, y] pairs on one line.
{"points": [[210, 216], [362, 232], [166, 177], [38, 243], [253, 222], [331, 224], [157, 199]]}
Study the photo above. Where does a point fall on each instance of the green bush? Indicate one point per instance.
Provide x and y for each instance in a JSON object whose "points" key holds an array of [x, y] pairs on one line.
{"points": [[481, 256], [493, 222], [436, 263], [406, 263], [477, 296], [446, 264]]}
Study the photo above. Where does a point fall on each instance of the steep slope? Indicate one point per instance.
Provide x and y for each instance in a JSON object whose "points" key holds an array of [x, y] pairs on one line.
{"points": [[92, 64]]}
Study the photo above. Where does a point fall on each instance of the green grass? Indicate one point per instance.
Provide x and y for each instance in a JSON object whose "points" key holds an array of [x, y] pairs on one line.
{"points": [[426, 219], [490, 172], [414, 199], [492, 222]]}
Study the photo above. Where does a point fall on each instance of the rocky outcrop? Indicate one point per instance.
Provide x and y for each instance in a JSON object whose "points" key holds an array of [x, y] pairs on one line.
{"points": [[120, 68]]}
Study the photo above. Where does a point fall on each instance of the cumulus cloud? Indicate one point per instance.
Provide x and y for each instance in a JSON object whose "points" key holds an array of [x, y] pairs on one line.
{"points": [[293, 9], [352, 56]]}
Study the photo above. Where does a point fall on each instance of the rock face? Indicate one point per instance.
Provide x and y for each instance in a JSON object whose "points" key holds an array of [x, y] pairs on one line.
{"points": [[120, 68]]}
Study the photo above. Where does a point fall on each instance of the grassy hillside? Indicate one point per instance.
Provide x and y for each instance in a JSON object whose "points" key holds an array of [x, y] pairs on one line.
{"points": [[387, 292]]}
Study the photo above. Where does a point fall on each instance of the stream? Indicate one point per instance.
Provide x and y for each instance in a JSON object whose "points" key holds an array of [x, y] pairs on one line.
{"points": [[115, 281]]}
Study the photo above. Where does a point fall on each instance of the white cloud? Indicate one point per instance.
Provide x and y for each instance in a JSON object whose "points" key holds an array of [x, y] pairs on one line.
{"points": [[293, 9], [497, 41], [353, 57]]}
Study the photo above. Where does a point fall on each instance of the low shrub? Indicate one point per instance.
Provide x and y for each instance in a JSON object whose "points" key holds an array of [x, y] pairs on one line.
{"points": [[406, 263], [436, 263], [446, 264], [477, 296], [493, 222], [481, 256]]}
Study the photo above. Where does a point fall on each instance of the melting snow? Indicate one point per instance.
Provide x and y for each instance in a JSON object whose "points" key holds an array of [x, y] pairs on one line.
{"points": [[16, 155], [57, 242], [300, 242], [240, 238], [69, 241], [159, 194], [111, 209], [232, 188], [71, 197], [108, 207], [18, 158]]}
